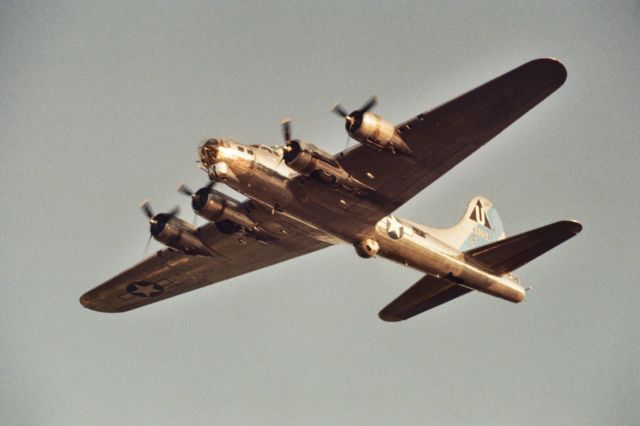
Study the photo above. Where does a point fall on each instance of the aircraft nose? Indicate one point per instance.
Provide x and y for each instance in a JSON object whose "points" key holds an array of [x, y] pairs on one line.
{"points": [[209, 152]]}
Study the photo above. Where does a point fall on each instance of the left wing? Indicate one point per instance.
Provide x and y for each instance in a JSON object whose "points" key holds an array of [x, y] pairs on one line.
{"points": [[441, 138], [168, 272]]}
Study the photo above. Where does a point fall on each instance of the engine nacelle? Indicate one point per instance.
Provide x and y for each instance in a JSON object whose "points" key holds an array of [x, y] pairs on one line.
{"points": [[217, 207], [367, 248], [314, 163], [306, 158], [177, 234], [372, 130]]}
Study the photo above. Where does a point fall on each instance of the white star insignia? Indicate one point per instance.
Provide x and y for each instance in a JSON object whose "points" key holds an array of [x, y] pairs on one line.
{"points": [[141, 289], [394, 228]]}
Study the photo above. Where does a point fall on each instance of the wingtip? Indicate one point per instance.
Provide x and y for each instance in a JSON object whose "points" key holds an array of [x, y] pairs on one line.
{"points": [[387, 317], [574, 226], [94, 303], [551, 67]]}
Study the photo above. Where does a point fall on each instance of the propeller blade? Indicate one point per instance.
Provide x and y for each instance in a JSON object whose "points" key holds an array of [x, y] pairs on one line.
{"points": [[146, 208], [284, 152], [337, 108], [370, 104], [352, 117], [175, 211], [286, 129], [146, 247], [184, 189]]}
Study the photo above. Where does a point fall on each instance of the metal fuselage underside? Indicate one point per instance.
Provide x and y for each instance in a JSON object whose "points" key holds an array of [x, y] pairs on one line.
{"points": [[259, 173]]}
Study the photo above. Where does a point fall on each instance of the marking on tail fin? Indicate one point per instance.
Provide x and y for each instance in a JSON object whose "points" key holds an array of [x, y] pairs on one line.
{"points": [[479, 215]]}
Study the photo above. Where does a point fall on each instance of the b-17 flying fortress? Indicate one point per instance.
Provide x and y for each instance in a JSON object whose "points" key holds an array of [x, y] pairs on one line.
{"points": [[301, 198]]}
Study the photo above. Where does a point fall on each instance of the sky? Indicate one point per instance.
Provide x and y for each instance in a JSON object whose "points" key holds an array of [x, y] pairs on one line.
{"points": [[103, 104]]}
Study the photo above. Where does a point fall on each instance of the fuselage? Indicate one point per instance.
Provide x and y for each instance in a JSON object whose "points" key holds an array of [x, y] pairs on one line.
{"points": [[259, 172]]}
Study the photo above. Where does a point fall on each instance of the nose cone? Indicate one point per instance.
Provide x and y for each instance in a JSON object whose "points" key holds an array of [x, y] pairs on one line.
{"points": [[209, 152]]}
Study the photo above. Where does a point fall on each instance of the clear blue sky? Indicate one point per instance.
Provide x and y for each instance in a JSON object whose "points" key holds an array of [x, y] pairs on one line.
{"points": [[103, 104]]}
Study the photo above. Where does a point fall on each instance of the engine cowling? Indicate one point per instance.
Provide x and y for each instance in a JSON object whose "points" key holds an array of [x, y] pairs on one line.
{"points": [[177, 234], [372, 130], [218, 207], [301, 157], [314, 163]]}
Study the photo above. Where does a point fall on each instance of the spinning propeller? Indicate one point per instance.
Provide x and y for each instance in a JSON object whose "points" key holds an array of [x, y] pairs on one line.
{"points": [[199, 198], [158, 221], [292, 146], [354, 119]]}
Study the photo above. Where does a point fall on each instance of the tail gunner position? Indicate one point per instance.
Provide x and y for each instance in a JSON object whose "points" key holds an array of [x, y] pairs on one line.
{"points": [[301, 198]]}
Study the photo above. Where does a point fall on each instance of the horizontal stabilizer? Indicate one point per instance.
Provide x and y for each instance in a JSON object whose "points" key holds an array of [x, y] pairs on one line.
{"points": [[426, 294], [511, 253]]}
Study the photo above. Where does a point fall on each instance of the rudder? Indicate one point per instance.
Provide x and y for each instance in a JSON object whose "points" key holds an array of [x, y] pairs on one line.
{"points": [[480, 225]]}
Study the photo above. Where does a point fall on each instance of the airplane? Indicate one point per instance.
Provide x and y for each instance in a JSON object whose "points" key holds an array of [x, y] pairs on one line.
{"points": [[301, 199]]}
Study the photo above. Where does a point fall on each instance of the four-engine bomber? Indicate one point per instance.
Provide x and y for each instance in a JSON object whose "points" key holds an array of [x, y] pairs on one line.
{"points": [[301, 199]]}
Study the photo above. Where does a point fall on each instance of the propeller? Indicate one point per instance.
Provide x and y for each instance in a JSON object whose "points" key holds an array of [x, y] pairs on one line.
{"points": [[146, 247], [184, 189], [158, 221], [292, 146], [198, 198], [354, 119], [286, 130]]}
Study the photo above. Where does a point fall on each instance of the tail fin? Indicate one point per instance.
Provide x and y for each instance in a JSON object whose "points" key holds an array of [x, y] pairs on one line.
{"points": [[480, 225]]}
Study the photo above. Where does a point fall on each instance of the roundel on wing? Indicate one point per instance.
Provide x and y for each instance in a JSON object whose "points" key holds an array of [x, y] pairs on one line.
{"points": [[144, 289]]}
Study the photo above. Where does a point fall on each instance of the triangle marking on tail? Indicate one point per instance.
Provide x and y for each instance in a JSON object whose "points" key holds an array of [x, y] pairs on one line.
{"points": [[479, 215]]}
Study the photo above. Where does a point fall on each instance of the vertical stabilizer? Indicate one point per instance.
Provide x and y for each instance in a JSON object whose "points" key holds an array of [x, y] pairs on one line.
{"points": [[480, 225]]}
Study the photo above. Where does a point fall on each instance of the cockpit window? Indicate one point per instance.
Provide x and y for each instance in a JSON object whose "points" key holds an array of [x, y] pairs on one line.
{"points": [[267, 149]]}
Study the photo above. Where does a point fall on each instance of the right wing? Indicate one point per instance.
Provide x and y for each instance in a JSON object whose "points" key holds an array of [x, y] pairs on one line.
{"points": [[168, 272], [441, 138], [426, 294]]}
